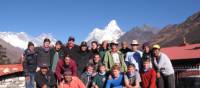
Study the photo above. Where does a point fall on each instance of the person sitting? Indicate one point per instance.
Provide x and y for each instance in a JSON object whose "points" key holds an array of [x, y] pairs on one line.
{"points": [[116, 79], [87, 76], [132, 77], [71, 81], [95, 61], [99, 80], [44, 78], [148, 75], [65, 64]]}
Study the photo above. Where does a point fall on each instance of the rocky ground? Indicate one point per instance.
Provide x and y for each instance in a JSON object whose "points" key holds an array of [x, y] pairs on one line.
{"points": [[14, 82]]}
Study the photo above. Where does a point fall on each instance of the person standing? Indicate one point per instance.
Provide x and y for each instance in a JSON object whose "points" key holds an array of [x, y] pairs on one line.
{"points": [[94, 47], [147, 53], [30, 65], [56, 53], [134, 57], [104, 48], [43, 53], [45, 78], [71, 48], [163, 67], [113, 57], [124, 48], [83, 57]]}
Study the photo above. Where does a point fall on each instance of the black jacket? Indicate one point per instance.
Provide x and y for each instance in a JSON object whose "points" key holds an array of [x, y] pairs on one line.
{"points": [[30, 62], [124, 51], [48, 79], [83, 59], [43, 56], [72, 52]]}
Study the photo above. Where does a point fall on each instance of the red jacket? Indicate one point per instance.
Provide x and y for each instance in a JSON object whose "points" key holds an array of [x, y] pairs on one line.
{"points": [[148, 79], [61, 67]]}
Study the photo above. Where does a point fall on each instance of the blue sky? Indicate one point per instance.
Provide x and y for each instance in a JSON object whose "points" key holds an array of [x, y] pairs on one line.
{"points": [[63, 18]]}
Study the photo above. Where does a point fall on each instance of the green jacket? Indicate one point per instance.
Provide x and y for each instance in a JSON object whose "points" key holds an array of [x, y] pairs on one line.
{"points": [[109, 62]]}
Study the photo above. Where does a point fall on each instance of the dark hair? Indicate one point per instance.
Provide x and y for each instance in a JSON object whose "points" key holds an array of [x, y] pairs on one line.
{"points": [[88, 65], [30, 44], [146, 60], [46, 40], [94, 42], [71, 38], [96, 53], [59, 42], [145, 44], [107, 45], [131, 65], [67, 55], [67, 73]]}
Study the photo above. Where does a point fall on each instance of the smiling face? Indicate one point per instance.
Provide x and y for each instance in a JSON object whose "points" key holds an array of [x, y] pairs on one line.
{"points": [[83, 48], [90, 69], [68, 78], [134, 47], [124, 45], [67, 60], [115, 73], [94, 46], [97, 58], [114, 47], [58, 46], [156, 52], [105, 44], [31, 48], [146, 64], [146, 49], [131, 69], [46, 44], [70, 43], [44, 70]]}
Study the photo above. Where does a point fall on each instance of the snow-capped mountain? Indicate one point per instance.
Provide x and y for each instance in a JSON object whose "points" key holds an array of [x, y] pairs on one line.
{"points": [[21, 39], [111, 32]]}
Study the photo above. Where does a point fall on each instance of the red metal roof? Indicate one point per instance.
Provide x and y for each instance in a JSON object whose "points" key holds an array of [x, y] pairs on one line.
{"points": [[10, 68], [183, 52]]}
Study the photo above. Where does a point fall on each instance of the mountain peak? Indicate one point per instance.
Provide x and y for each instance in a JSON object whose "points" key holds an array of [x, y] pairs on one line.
{"points": [[112, 25], [23, 38], [111, 32]]}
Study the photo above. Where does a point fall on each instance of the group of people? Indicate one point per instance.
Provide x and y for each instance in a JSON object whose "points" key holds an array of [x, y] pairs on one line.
{"points": [[99, 66]]}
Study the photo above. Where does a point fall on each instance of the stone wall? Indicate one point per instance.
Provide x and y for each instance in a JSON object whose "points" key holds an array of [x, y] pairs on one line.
{"points": [[13, 82]]}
